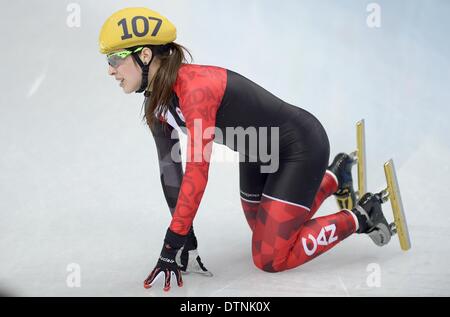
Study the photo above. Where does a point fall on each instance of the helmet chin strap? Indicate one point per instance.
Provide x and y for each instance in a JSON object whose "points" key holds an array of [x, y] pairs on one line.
{"points": [[145, 69]]}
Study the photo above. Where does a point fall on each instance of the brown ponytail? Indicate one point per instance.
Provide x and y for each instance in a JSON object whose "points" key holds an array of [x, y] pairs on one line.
{"points": [[163, 81]]}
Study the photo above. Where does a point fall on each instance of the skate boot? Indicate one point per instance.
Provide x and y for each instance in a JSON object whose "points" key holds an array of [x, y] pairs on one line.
{"points": [[342, 169], [371, 219]]}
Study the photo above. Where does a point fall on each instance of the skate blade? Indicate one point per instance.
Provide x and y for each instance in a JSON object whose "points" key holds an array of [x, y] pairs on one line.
{"points": [[361, 157], [393, 192], [348, 200]]}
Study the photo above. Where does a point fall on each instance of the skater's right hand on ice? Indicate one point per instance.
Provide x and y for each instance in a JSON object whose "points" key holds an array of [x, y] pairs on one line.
{"points": [[166, 265]]}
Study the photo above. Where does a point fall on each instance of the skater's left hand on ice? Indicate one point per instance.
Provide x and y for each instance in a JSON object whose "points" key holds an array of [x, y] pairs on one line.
{"points": [[166, 264], [190, 262], [188, 258]]}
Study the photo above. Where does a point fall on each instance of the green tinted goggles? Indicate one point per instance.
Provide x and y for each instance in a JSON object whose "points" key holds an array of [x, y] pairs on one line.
{"points": [[117, 58]]}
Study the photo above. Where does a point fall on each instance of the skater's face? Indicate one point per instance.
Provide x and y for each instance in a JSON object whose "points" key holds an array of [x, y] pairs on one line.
{"points": [[128, 73]]}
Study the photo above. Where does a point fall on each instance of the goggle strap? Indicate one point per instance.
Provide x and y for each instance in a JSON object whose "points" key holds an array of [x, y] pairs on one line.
{"points": [[145, 70]]}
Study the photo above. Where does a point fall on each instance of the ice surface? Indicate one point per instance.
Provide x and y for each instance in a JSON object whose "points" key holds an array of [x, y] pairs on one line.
{"points": [[79, 179]]}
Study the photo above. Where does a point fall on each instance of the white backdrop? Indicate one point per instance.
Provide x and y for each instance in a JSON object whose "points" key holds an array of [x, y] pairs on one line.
{"points": [[79, 179]]}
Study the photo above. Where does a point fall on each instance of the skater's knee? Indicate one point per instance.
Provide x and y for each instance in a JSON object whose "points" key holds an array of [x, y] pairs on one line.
{"points": [[264, 267], [276, 264], [267, 264]]}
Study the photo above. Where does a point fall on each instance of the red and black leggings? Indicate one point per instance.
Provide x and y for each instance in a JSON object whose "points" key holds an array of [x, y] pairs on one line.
{"points": [[279, 206]]}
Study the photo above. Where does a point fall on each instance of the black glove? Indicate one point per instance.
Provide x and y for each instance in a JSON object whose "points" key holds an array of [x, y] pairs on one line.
{"points": [[166, 263], [188, 259]]}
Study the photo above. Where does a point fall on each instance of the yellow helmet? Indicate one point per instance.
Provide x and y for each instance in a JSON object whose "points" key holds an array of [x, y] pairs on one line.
{"points": [[131, 27]]}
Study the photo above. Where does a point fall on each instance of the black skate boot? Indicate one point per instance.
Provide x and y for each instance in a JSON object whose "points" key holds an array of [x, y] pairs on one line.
{"points": [[371, 219], [342, 169]]}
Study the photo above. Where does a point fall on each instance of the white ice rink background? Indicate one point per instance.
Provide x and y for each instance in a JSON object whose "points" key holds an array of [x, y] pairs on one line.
{"points": [[82, 212]]}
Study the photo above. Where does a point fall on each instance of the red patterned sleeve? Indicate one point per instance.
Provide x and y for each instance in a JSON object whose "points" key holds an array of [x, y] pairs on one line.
{"points": [[200, 90]]}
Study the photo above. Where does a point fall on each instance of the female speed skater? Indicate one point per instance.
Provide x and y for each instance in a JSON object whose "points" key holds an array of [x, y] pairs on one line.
{"points": [[213, 104]]}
